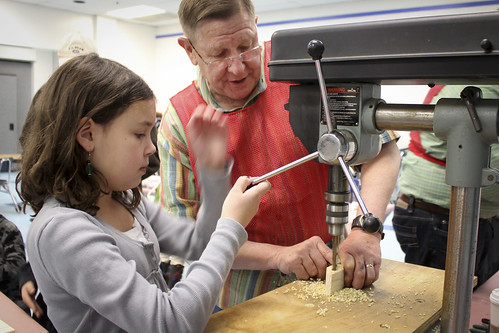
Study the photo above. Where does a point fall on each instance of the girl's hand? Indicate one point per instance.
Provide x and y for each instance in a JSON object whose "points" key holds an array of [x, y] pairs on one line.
{"points": [[207, 135], [241, 203], [28, 293]]}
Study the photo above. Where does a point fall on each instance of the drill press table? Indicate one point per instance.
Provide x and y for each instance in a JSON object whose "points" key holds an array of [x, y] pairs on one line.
{"points": [[408, 298]]}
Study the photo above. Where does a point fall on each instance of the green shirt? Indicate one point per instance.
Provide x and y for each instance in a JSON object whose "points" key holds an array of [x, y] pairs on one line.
{"points": [[426, 180]]}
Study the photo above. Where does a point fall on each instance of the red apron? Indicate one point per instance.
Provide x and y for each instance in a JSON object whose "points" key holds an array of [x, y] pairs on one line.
{"points": [[261, 140]]}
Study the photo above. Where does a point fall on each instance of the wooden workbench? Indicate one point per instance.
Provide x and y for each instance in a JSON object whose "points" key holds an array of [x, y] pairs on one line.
{"points": [[407, 298], [13, 316]]}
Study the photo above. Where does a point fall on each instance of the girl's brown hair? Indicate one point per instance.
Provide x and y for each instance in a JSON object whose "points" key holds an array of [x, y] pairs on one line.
{"points": [[53, 163]]}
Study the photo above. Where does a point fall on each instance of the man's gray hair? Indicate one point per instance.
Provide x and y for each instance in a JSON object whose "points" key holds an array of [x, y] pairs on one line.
{"points": [[192, 12]]}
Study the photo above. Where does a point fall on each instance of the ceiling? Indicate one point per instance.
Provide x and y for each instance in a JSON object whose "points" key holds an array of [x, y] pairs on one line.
{"points": [[100, 7]]}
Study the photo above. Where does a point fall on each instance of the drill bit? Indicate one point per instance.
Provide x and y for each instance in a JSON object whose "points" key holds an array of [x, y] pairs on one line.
{"points": [[336, 243]]}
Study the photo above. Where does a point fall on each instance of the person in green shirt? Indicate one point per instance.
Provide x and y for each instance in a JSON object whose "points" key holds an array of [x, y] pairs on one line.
{"points": [[421, 216]]}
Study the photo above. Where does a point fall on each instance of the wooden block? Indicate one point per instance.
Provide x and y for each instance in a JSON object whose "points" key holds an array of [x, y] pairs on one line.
{"points": [[5, 328], [335, 279]]}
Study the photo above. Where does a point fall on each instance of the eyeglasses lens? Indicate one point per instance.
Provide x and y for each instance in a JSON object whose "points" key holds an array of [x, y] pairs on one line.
{"points": [[246, 56]]}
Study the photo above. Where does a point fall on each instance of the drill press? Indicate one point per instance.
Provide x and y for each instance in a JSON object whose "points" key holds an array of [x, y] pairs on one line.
{"points": [[448, 49], [335, 147]]}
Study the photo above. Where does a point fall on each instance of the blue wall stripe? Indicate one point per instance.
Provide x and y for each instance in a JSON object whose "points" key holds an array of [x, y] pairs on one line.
{"points": [[390, 11], [177, 34], [365, 14]]}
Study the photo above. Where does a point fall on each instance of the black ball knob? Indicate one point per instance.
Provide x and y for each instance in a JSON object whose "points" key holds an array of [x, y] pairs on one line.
{"points": [[371, 223], [486, 45], [315, 49]]}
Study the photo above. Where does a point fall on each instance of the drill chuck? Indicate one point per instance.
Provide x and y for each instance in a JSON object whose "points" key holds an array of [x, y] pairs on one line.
{"points": [[337, 212]]}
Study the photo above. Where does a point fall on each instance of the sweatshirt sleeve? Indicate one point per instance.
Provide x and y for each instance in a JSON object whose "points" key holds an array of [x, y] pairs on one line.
{"points": [[78, 266], [183, 236], [201, 286]]}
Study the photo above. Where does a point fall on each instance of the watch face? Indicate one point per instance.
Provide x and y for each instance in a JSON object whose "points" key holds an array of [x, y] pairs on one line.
{"points": [[356, 223]]}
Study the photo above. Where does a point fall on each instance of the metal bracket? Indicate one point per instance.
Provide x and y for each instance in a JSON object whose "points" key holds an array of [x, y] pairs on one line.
{"points": [[490, 177]]}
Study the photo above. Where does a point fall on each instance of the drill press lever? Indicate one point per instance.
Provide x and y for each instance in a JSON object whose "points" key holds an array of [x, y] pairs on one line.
{"points": [[367, 221]]}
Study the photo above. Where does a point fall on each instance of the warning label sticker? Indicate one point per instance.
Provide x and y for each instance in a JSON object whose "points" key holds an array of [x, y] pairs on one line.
{"points": [[343, 104]]}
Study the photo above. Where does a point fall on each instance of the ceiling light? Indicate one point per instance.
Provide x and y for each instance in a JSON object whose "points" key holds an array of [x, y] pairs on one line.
{"points": [[135, 11]]}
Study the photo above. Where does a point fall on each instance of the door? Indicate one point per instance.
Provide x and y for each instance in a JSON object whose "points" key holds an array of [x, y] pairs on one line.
{"points": [[8, 114], [15, 99]]}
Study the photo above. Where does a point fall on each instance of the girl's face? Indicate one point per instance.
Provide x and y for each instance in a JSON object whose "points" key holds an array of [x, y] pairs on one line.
{"points": [[123, 146]]}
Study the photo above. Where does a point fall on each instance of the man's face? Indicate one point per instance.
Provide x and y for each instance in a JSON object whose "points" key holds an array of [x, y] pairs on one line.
{"points": [[230, 82]]}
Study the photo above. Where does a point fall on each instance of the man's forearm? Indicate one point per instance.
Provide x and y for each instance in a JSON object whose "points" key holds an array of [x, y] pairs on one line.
{"points": [[256, 256], [378, 178]]}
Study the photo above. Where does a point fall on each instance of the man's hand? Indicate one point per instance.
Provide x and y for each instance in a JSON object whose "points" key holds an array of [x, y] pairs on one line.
{"points": [[307, 259], [28, 292], [359, 249], [207, 135]]}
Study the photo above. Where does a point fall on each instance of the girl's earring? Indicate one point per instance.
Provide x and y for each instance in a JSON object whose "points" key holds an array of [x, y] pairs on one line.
{"points": [[88, 167]]}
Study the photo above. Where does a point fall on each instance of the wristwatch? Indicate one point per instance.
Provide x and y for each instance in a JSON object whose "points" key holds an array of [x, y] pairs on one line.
{"points": [[369, 223]]}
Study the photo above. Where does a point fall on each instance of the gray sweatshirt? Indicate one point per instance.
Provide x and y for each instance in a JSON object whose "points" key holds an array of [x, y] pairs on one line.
{"points": [[96, 279]]}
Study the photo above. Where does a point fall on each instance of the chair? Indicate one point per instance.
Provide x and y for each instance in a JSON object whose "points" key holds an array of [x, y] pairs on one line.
{"points": [[4, 183]]}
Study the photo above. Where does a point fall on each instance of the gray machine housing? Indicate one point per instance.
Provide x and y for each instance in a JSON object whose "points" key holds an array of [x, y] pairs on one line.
{"points": [[451, 49]]}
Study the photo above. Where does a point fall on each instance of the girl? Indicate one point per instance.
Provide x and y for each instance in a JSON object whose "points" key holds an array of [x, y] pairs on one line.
{"points": [[95, 241]]}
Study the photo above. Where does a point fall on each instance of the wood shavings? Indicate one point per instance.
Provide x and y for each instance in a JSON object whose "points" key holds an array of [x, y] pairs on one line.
{"points": [[321, 311], [314, 296], [350, 296], [316, 289]]}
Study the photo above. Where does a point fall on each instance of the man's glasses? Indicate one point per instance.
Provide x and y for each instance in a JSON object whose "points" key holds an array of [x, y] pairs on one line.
{"points": [[222, 64]]}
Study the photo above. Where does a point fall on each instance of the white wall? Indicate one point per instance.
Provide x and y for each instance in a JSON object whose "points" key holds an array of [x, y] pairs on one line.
{"points": [[133, 45], [40, 30], [174, 69]]}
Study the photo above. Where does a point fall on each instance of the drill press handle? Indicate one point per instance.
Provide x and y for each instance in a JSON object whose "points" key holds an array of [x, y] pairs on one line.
{"points": [[368, 221]]}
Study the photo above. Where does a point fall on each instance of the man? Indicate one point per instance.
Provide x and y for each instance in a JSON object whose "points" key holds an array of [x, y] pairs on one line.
{"points": [[288, 234], [421, 217]]}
